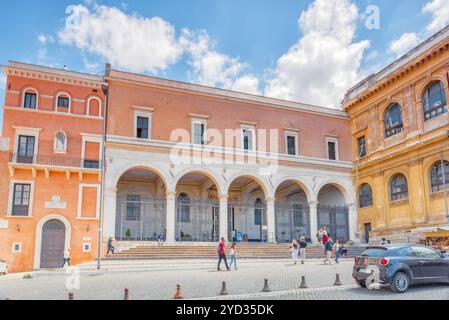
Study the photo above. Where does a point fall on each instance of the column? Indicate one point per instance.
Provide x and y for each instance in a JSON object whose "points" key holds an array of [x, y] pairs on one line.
{"points": [[109, 213], [352, 221], [224, 223], [170, 224], [313, 208], [271, 220]]}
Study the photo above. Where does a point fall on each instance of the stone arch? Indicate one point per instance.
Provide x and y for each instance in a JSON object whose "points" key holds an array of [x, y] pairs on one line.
{"points": [[347, 194], [157, 171], [426, 84], [218, 181], [38, 241], [268, 192], [26, 89], [298, 182]]}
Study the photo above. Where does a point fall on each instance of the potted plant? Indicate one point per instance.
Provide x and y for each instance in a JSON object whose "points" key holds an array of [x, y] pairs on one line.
{"points": [[128, 234]]}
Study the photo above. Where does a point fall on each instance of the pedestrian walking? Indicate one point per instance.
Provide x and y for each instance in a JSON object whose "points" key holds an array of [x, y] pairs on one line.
{"points": [[383, 242], [294, 249], [302, 249], [233, 255], [160, 240], [328, 251], [325, 236], [111, 247], [66, 258], [337, 251], [222, 254]]}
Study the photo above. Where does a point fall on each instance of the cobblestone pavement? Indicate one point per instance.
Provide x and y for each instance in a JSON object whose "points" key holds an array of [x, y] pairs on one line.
{"points": [[149, 280]]}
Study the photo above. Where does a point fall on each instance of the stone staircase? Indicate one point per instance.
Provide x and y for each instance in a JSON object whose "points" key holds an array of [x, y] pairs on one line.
{"points": [[245, 251]]}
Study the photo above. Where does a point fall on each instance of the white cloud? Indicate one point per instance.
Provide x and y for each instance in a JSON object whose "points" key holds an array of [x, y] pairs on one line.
{"points": [[212, 68], [131, 42], [44, 39], [405, 43], [325, 62], [439, 9]]}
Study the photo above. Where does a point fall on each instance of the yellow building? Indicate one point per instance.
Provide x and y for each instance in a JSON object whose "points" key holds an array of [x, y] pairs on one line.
{"points": [[399, 122]]}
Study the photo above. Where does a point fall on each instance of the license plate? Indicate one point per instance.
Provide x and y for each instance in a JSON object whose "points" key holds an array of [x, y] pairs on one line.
{"points": [[366, 271]]}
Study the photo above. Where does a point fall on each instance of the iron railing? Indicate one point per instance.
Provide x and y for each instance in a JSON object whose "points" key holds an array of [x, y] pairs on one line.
{"points": [[54, 161]]}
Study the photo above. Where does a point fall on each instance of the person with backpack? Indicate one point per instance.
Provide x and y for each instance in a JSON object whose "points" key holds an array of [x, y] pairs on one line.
{"points": [[302, 249], [222, 254], [328, 251]]}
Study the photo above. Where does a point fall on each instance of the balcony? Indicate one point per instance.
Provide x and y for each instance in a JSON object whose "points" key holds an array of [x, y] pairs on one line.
{"points": [[57, 163]]}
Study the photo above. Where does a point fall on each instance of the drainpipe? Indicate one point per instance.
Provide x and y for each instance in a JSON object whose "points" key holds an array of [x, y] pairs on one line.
{"points": [[105, 89]]}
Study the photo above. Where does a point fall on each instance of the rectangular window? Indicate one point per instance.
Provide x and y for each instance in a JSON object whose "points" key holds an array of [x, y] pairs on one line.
{"points": [[362, 147], [291, 145], [199, 131], [21, 200], [142, 127], [249, 137], [133, 206], [91, 164], [30, 101], [63, 102], [332, 150], [25, 152]]}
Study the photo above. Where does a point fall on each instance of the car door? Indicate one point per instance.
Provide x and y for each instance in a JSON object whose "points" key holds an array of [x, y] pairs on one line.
{"points": [[433, 266]]}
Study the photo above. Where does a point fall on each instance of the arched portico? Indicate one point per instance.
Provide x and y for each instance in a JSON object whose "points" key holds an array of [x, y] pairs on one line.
{"points": [[292, 211], [334, 210], [140, 205], [197, 208], [250, 210]]}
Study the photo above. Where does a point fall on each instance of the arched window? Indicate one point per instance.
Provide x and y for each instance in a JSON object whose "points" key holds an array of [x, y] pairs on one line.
{"points": [[434, 101], [393, 120], [437, 178], [29, 99], [63, 102], [60, 144], [258, 205], [365, 196], [398, 188], [94, 107], [184, 207]]}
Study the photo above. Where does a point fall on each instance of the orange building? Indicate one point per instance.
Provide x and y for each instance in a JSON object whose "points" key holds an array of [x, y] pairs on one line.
{"points": [[49, 173], [252, 169]]}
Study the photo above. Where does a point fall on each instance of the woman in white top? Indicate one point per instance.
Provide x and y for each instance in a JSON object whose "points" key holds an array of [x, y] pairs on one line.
{"points": [[233, 255], [66, 258]]}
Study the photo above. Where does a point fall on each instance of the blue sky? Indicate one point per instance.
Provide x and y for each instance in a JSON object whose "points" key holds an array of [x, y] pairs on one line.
{"points": [[260, 47]]}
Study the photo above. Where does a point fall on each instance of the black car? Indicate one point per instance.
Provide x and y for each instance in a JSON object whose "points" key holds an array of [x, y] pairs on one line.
{"points": [[400, 266]]}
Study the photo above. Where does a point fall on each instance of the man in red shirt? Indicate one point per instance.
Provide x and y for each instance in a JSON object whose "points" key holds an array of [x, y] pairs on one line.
{"points": [[222, 254]]}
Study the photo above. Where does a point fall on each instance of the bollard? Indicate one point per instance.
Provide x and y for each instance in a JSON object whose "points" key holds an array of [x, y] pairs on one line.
{"points": [[266, 287], [224, 290], [127, 295], [303, 284], [337, 280], [178, 294], [71, 296]]}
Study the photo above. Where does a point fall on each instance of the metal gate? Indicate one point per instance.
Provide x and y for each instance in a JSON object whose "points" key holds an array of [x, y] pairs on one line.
{"points": [[292, 222], [140, 219], [336, 220], [53, 244], [197, 221], [247, 222]]}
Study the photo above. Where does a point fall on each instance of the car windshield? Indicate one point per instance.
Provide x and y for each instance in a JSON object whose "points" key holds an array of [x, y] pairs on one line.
{"points": [[374, 252]]}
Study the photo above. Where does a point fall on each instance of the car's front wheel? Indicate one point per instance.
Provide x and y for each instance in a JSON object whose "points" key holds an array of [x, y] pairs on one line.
{"points": [[400, 282], [361, 283]]}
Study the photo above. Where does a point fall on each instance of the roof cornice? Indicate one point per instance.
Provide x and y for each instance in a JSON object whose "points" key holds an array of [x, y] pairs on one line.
{"points": [[31, 71], [148, 81]]}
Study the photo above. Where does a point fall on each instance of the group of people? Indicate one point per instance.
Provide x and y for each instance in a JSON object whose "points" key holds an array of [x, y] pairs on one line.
{"points": [[331, 247], [222, 255], [298, 250]]}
